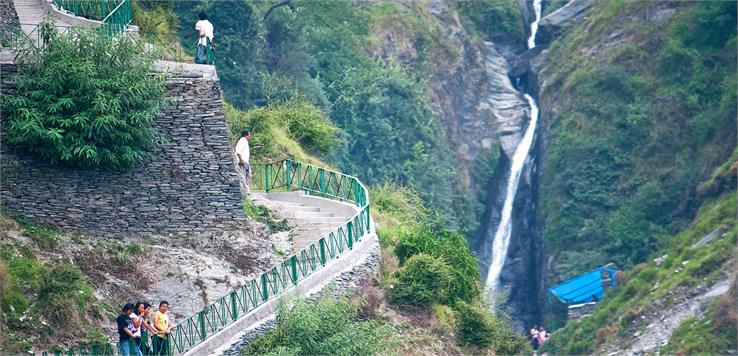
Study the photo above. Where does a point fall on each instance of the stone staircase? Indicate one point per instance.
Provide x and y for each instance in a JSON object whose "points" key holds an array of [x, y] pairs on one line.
{"points": [[310, 217]]}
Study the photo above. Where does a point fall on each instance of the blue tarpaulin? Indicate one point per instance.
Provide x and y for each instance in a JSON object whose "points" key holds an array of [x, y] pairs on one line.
{"points": [[583, 288]]}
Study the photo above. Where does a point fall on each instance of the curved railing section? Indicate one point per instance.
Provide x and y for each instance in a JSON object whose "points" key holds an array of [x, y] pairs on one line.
{"points": [[286, 175], [115, 15]]}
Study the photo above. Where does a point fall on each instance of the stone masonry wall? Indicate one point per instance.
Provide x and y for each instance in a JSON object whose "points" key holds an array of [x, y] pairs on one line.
{"points": [[190, 186], [9, 22]]}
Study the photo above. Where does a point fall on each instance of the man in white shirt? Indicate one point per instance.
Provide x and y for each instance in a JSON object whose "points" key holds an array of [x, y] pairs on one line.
{"points": [[205, 36], [243, 153]]}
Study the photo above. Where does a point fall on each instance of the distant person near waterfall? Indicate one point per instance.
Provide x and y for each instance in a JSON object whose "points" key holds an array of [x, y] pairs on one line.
{"points": [[204, 30], [244, 154]]}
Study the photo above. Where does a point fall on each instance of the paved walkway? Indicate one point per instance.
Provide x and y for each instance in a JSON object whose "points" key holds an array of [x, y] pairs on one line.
{"points": [[311, 216], [32, 13]]}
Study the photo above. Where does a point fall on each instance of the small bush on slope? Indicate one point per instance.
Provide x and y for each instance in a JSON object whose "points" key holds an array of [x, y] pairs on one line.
{"points": [[326, 327], [477, 327], [423, 280]]}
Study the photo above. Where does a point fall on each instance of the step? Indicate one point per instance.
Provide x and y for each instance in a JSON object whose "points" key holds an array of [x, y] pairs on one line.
{"points": [[330, 221], [309, 215]]}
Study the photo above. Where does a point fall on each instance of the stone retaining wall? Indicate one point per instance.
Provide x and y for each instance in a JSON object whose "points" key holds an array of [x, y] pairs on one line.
{"points": [[9, 22], [190, 186]]}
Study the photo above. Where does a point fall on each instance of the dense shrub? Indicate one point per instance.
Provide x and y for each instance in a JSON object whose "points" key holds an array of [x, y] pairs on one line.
{"points": [[437, 241], [327, 326], [476, 326], [85, 100], [422, 281], [300, 122]]}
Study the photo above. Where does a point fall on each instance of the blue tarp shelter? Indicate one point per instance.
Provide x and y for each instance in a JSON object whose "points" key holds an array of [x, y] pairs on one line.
{"points": [[582, 288]]}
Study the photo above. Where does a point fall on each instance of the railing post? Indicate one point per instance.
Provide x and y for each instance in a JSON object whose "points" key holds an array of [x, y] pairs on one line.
{"points": [[350, 235], [266, 177], [288, 173], [234, 306], [294, 269], [321, 243], [299, 175], [201, 317], [321, 175], [368, 220], [264, 287]]}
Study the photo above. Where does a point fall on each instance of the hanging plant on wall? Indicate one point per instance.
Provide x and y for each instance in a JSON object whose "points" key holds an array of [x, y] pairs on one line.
{"points": [[85, 99]]}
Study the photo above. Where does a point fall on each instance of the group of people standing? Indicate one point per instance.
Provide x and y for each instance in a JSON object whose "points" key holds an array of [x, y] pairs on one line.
{"points": [[134, 325], [538, 335]]}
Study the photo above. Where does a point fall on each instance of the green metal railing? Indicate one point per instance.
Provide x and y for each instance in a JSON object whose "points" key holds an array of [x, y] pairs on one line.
{"points": [[115, 15], [89, 9], [119, 18], [104, 349], [285, 175]]}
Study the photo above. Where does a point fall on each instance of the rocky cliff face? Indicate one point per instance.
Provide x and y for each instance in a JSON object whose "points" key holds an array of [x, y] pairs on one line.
{"points": [[477, 94]]}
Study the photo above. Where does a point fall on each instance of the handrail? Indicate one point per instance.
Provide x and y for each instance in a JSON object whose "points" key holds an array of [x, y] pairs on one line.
{"points": [[286, 175], [115, 15], [89, 9], [118, 20]]}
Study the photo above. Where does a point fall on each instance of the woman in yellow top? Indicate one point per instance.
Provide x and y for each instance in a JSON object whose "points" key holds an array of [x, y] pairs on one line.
{"points": [[162, 323]]}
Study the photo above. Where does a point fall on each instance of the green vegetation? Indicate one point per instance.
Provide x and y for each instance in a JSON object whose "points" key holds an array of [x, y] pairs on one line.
{"points": [[84, 100], [293, 129], [327, 326], [40, 298], [422, 281], [479, 328], [712, 334], [329, 54], [262, 214], [647, 287], [498, 20], [637, 127], [437, 241], [155, 16], [429, 266]]}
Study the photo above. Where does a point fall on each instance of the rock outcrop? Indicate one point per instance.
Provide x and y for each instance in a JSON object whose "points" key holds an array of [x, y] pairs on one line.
{"points": [[551, 25]]}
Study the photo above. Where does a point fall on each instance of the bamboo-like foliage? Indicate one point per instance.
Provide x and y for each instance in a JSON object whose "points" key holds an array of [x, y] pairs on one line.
{"points": [[85, 99]]}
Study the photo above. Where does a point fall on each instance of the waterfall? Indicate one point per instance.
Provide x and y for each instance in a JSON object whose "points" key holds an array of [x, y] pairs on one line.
{"points": [[504, 230]]}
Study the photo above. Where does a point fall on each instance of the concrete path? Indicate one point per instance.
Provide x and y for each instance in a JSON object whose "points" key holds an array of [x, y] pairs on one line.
{"points": [[32, 13], [312, 217]]}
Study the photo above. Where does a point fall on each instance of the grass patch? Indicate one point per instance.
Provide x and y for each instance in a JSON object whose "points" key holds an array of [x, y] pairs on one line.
{"points": [[262, 214], [327, 326]]}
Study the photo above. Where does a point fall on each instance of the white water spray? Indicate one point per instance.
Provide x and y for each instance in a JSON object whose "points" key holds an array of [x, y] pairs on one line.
{"points": [[534, 24], [504, 230]]}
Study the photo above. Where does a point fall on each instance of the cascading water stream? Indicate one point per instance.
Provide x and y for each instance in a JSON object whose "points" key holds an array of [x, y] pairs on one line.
{"points": [[504, 230]]}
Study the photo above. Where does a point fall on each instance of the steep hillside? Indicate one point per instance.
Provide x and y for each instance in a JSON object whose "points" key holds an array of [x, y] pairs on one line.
{"points": [[639, 107], [683, 302], [639, 124], [407, 83]]}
